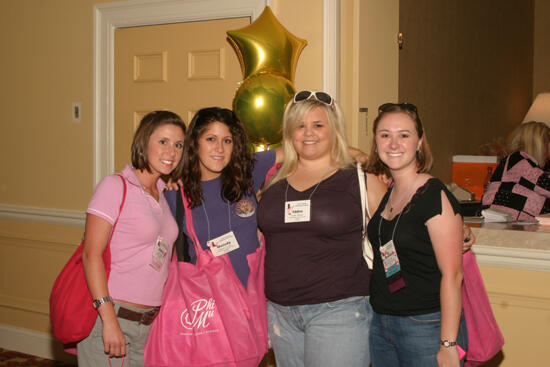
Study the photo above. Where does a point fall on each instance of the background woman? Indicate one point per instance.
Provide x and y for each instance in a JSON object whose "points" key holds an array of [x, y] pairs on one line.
{"points": [[128, 301], [220, 178], [317, 282], [416, 235], [519, 185]]}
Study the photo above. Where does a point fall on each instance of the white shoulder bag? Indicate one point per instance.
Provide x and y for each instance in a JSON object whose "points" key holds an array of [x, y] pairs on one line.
{"points": [[367, 248]]}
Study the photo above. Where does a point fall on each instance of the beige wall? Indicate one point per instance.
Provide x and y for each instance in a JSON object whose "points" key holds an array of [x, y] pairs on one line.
{"points": [[46, 158], [521, 303]]}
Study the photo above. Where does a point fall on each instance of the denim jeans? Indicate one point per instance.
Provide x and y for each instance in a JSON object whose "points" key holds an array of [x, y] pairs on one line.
{"points": [[411, 341], [91, 351], [331, 334]]}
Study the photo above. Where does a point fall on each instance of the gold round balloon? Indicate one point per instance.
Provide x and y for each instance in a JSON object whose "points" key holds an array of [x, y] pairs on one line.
{"points": [[260, 104], [266, 46]]}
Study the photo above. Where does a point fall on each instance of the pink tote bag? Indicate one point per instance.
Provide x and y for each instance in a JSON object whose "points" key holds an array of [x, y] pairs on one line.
{"points": [[484, 336], [207, 317]]}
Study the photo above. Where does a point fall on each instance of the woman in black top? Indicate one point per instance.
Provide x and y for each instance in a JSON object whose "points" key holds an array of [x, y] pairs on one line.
{"points": [[416, 235]]}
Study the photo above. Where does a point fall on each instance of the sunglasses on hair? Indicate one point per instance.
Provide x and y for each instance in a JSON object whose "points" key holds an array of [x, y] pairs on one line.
{"points": [[320, 96], [404, 106]]}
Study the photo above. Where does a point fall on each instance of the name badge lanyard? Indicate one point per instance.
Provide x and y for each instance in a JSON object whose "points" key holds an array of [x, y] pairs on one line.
{"points": [[226, 242], [390, 260], [160, 248], [298, 210]]}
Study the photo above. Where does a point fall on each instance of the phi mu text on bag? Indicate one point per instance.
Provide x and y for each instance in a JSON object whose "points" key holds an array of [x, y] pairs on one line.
{"points": [[207, 317]]}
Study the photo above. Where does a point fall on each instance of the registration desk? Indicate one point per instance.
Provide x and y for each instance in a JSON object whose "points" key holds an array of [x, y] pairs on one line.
{"points": [[515, 264]]}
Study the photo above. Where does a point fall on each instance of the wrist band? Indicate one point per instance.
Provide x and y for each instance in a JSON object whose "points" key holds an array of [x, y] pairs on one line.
{"points": [[102, 300]]}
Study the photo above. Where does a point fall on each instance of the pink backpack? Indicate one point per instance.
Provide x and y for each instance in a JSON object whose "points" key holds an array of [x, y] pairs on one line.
{"points": [[207, 317]]}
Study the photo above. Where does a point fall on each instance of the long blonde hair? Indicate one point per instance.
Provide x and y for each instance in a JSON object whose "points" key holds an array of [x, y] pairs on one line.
{"points": [[294, 114], [532, 138]]}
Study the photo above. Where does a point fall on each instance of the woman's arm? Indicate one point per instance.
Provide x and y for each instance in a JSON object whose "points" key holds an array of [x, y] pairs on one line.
{"points": [[358, 155], [96, 237], [279, 155], [445, 232], [376, 189]]}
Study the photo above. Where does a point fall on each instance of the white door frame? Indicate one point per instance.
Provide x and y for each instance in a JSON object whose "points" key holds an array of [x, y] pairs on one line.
{"points": [[109, 16]]}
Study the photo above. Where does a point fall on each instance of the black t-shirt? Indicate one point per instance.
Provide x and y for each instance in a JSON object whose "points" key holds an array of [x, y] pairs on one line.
{"points": [[415, 252], [320, 260]]}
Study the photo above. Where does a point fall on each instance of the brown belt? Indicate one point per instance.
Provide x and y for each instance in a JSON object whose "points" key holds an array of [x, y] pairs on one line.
{"points": [[145, 318]]}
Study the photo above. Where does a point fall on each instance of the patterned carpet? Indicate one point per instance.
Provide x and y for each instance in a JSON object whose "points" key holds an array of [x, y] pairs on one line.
{"points": [[9, 358]]}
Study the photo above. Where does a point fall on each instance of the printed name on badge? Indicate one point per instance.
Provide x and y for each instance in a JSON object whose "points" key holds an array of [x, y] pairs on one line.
{"points": [[223, 244], [297, 211]]}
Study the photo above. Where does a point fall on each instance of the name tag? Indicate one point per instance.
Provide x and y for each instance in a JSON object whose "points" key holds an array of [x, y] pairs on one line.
{"points": [[159, 254], [390, 259], [392, 267], [297, 211], [223, 244]]}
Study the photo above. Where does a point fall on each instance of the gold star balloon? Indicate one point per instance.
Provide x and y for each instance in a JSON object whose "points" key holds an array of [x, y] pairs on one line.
{"points": [[268, 54]]}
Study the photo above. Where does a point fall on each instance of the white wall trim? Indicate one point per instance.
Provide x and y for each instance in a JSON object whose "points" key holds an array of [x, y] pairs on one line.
{"points": [[515, 258], [33, 342], [62, 217], [108, 17], [331, 47]]}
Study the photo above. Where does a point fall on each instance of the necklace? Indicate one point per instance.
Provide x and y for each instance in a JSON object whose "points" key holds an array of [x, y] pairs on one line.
{"points": [[405, 197]]}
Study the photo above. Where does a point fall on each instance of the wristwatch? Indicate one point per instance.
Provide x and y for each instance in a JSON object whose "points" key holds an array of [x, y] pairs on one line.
{"points": [[102, 300], [447, 344]]}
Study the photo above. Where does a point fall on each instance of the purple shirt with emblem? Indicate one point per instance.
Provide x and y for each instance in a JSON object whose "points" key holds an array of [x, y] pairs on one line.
{"points": [[222, 217]]}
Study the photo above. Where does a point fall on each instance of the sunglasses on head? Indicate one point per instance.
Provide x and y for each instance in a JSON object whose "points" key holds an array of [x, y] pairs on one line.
{"points": [[320, 96], [404, 106]]}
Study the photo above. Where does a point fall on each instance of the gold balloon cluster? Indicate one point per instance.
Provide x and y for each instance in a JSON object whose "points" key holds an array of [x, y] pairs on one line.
{"points": [[268, 54]]}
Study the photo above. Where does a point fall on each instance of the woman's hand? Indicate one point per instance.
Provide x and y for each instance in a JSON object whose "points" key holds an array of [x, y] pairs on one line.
{"points": [[171, 185], [114, 342], [448, 357], [358, 155], [468, 238]]}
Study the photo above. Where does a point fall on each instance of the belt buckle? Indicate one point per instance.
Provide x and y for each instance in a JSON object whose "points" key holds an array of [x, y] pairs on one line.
{"points": [[148, 317]]}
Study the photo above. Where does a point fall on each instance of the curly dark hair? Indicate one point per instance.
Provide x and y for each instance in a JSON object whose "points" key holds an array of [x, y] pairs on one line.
{"points": [[236, 176]]}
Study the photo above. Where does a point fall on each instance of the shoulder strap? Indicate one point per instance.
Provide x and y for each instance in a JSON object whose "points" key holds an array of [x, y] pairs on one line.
{"points": [[190, 226], [367, 248], [363, 190], [181, 244], [121, 205]]}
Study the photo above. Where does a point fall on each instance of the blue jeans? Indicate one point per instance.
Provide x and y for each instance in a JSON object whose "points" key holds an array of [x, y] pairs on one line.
{"points": [[331, 334], [411, 341]]}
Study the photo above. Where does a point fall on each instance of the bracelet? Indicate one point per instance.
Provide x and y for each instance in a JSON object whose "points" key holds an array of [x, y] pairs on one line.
{"points": [[447, 343], [102, 300]]}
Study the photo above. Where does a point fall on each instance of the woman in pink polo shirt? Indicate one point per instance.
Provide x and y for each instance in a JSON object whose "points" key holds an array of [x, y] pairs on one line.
{"points": [[129, 299]]}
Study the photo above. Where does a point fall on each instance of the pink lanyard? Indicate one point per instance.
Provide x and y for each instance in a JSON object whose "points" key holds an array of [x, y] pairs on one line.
{"points": [[110, 364]]}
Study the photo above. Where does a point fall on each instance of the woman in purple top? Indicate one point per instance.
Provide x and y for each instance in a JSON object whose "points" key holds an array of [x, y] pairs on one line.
{"points": [[128, 300], [317, 282], [519, 185], [220, 178]]}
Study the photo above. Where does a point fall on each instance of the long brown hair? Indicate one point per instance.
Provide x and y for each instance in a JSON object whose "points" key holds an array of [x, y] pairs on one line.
{"points": [[236, 176]]}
